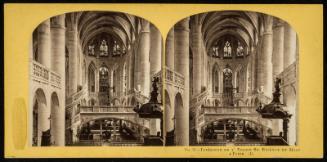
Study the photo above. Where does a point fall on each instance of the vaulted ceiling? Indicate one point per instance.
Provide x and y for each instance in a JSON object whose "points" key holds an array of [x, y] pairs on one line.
{"points": [[90, 24], [241, 24]]}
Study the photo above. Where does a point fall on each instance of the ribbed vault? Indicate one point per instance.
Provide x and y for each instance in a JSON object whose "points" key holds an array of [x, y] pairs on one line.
{"points": [[121, 26], [243, 25]]}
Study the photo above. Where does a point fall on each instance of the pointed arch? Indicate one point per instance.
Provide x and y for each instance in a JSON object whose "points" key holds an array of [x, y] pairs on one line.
{"points": [[91, 77], [215, 79], [40, 116]]}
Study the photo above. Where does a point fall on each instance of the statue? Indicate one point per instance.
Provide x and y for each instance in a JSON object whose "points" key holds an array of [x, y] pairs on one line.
{"points": [[239, 50], [116, 48], [215, 51], [103, 48], [278, 84], [227, 50], [91, 50], [154, 93]]}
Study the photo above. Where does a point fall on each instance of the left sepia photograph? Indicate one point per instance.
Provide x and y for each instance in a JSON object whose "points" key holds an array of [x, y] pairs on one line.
{"points": [[95, 80]]}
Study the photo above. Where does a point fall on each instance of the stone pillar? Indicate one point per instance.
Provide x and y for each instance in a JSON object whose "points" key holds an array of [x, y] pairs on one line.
{"points": [[155, 50], [155, 66], [43, 39], [277, 59], [197, 58], [43, 120], [246, 86], [182, 66], [73, 52], [169, 62], [111, 85], [57, 65], [278, 48], [169, 55], [234, 80], [221, 82], [265, 59], [143, 61], [289, 45]]}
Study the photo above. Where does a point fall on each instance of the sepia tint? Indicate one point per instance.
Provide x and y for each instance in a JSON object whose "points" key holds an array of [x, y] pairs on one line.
{"points": [[231, 79], [91, 75]]}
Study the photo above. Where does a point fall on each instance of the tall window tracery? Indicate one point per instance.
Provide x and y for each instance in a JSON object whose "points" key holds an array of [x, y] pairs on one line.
{"points": [[103, 79], [91, 79], [228, 47], [228, 77], [105, 45], [215, 79]]}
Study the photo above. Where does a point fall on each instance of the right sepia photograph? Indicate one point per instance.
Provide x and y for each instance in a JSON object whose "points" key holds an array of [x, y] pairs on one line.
{"points": [[231, 79]]}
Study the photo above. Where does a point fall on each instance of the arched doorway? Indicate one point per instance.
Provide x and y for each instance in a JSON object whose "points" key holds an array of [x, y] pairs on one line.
{"points": [[41, 116]]}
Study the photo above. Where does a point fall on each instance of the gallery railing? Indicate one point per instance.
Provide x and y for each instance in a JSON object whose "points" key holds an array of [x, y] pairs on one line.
{"points": [[42, 74], [106, 109], [229, 110], [174, 78]]}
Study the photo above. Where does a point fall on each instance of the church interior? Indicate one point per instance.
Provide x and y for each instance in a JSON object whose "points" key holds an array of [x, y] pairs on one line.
{"points": [[93, 79], [231, 79], [228, 78]]}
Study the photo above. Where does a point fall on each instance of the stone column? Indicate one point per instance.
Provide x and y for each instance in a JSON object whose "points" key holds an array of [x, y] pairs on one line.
{"points": [[197, 58], [43, 120], [278, 59], [155, 50], [169, 56], [111, 85], [246, 86], [182, 66], [155, 66], [169, 62], [265, 62], [58, 65], [234, 80], [221, 82], [73, 52], [43, 39], [278, 47], [169, 114], [143, 61], [289, 45]]}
